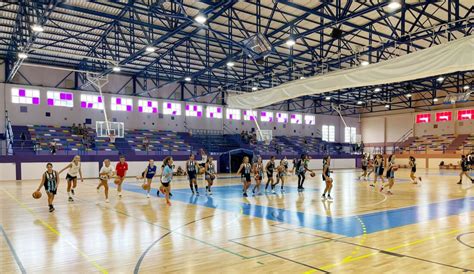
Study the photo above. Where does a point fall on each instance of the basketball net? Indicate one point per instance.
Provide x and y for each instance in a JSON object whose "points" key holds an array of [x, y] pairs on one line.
{"points": [[99, 81], [265, 138]]}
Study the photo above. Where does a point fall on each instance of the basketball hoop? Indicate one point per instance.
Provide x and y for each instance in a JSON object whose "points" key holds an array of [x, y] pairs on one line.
{"points": [[265, 136]]}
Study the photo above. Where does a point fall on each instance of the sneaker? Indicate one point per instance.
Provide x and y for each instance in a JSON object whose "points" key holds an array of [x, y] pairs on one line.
{"points": [[210, 193], [197, 193], [459, 182], [329, 198], [372, 185], [120, 194], [283, 190], [51, 208], [273, 191], [70, 199], [107, 201], [192, 192], [98, 190], [419, 179], [389, 192], [72, 191], [245, 194], [381, 189], [323, 197], [148, 195]]}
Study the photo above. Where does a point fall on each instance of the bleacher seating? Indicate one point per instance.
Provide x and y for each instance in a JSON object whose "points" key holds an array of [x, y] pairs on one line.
{"points": [[436, 144], [160, 142]]}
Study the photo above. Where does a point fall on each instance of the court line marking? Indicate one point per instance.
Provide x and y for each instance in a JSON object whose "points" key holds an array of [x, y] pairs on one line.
{"points": [[54, 231], [140, 260], [166, 228], [12, 249], [379, 251], [461, 241]]}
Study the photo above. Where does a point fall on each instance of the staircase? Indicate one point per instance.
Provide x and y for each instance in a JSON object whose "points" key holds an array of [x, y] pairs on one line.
{"points": [[457, 142], [407, 142], [28, 146]]}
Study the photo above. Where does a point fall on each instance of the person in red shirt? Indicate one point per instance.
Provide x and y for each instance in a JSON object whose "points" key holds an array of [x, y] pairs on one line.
{"points": [[121, 171]]}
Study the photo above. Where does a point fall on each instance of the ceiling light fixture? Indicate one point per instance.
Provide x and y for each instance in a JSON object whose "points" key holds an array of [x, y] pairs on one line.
{"points": [[466, 87], [200, 18], [116, 69], [290, 42], [150, 49], [187, 79], [364, 63], [394, 5], [230, 64], [37, 28], [254, 88], [377, 89], [22, 55], [440, 79], [408, 95]]}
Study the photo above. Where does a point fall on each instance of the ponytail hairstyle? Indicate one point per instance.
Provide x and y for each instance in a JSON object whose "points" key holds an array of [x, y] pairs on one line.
{"points": [[412, 158], [166, 161], [325, 160]]}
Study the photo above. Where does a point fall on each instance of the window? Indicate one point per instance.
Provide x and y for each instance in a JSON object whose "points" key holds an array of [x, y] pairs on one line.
{"points": [[309, 119], [193, 110], [147, 106], [444, 116], [232, 114], [350, 135], [121, 104], [296, 119], [423, 118], [25, 96], [250, 115], [328, 133], [266, 116], [171, 108], [91, 101], [282, 118], [60, 99], [214, 112], [466, 114]]}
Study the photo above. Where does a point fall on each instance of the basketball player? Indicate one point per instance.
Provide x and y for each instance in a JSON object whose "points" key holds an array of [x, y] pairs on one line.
{"points": [[280, 176], [105, 173], [370, 166], [121, 171], [203, 163], [365, 163], [269, 168], [390, 174], [284, 162], [148, 174], [71, 177], [412, 164], [464, 169], [244, 171], [192, 167], [210, 175], [258, 171], [166, 177], [378, 165], [50, 181], [301, 168], [327, 178]]}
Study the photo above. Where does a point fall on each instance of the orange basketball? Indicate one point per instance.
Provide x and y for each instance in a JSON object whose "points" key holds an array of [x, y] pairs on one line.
{"points": [[145, 186], [202, 170], [395, 168], [37, 194], [312, 174], [117, 181]]}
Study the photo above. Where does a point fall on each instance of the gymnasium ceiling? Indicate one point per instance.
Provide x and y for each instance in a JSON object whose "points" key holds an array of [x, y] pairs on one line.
{"points": [[97, 35]]}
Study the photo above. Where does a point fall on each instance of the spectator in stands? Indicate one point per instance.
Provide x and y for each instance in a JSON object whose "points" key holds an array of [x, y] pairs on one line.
{"points": [[80, 130], [37, 147], [74, 129], [242, 135], [146, 143], [52, 147], [23, 139]]}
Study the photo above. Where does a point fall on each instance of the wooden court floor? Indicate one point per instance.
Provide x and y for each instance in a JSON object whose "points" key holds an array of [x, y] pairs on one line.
{"points": [[427, 228]]}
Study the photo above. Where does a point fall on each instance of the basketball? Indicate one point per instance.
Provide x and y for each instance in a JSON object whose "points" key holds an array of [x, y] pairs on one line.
{"points": [[213, 176], [145, 186], [312, 174], [202, 170], [117, 181], [37, 194], [395, 168]]}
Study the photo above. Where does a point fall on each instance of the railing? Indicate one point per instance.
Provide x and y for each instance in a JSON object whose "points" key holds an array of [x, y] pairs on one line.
{"points": [[206, 132], [62, 150], [396, 145]]}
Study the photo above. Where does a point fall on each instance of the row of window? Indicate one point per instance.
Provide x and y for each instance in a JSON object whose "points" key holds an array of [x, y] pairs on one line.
{"points": [[445, 116], [90, 101]]}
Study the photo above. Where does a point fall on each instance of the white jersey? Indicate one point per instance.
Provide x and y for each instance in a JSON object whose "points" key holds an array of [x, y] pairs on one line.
{"points": [[204, 158], [108, 170], [74, 169]]}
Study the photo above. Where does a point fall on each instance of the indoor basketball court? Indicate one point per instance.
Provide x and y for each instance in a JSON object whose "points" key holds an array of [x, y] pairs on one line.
{"points": [[237, 136]]}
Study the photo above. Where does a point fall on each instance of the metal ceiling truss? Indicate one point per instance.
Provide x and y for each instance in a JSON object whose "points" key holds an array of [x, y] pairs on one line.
{"points": [[97, 35]]}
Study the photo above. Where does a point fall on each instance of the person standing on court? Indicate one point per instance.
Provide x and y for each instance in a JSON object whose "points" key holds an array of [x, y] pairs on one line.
{"points": [[50, 181], [121, 170]]}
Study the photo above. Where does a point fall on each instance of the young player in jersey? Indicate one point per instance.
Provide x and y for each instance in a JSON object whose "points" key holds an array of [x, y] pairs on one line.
{"points": [[378, 170], [71, 177], [106, 172], [365, 163], [464, 170], [245, 171], [121, 171], [50, 181], [258, 170], [210, 174], [301, 168], [269, 168], [412, 164], [192, 168], [166, 177], [148, 174], [280, 177], [390, 175], [327, 178], [370, 166]]}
